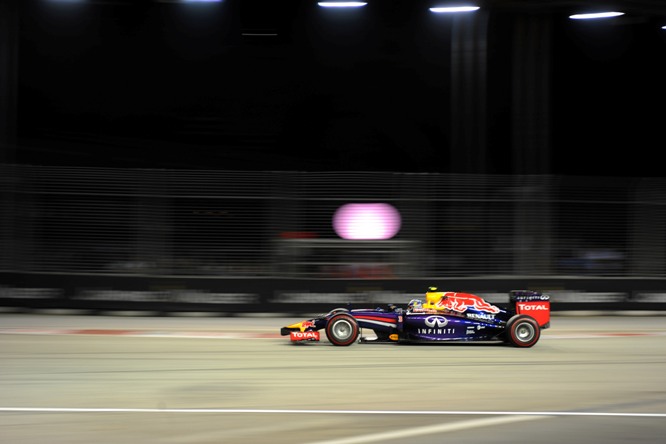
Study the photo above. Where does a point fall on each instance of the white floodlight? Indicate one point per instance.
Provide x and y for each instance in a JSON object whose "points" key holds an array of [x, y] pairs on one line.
{"points": [[453, 9], [596, 15], [342, 4]]}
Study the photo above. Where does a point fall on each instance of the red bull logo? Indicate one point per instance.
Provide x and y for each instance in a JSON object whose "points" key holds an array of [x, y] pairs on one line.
{"points": [[460, 302], [307, 324]]}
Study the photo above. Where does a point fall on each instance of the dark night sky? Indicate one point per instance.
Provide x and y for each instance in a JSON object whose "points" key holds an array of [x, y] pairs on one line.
{"points": [[148, 84]]}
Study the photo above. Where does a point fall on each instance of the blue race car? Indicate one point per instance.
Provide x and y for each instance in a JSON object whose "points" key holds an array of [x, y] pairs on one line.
{"points": [[442, 317]]}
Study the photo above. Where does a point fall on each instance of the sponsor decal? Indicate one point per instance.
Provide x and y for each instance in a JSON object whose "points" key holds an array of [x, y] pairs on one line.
{"points": [[471, 329], [436, 321], [541, 297], [460, 302], [435, 331], [304, 335], [528, 296], [533, 307], [481, 316]]}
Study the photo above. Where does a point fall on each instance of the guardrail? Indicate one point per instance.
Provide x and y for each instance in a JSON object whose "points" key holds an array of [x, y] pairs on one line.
{"points": [[170, 295]]}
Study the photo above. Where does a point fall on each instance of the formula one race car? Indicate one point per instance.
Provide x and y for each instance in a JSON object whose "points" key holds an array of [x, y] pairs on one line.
{"points": [[443, 317]]}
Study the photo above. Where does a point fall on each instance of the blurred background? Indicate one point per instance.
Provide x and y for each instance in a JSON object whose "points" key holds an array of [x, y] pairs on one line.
{"points": [[270, 151]]}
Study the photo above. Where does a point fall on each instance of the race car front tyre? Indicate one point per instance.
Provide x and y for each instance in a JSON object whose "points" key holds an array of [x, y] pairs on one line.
{"points": [[342, 329], [523, 331]]}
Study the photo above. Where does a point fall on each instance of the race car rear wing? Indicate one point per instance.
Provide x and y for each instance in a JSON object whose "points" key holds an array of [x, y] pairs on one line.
{"points": [[532, 303]]}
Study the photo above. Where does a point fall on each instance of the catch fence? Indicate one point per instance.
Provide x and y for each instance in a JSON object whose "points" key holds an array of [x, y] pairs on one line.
{"points": [[280, 224]]}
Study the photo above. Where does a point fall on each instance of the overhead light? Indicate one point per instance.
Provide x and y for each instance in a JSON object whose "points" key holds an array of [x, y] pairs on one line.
{"points": [[342, 4], [596, 15], [453, 9]]}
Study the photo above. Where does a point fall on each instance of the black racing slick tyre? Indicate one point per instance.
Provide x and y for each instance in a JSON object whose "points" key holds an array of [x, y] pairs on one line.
{"points": [[342, 329], [522, 331]]}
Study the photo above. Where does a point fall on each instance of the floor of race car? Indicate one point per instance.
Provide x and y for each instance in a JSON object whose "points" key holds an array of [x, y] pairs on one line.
{"points": [[76, 379]]}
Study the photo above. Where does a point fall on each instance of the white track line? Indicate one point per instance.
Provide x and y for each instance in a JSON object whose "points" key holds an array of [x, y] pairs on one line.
{"points": [[428, 430], [318, 412]]}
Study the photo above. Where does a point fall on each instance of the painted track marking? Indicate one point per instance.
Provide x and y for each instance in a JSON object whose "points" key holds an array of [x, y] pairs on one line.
{"points": [[429, 430], [320, 412], [498, 418]]}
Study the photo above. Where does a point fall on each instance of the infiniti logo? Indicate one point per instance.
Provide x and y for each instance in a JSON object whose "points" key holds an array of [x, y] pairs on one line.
{"points": [[432, 321]]}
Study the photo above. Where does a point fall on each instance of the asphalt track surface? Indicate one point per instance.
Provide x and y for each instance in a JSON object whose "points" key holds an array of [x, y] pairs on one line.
{"points": [[77, 379]]}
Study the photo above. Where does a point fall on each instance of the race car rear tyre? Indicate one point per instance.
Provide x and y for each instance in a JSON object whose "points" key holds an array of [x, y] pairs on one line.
{"points": [[523, 331], [342, 329]]}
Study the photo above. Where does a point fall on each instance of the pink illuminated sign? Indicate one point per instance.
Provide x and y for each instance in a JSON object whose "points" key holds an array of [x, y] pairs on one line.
{"points": [[366, 221]]}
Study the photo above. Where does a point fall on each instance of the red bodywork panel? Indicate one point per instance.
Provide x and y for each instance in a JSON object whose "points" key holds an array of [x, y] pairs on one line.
{"points": [[539, 310]]}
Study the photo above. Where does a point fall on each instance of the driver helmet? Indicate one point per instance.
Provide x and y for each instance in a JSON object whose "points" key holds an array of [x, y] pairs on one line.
{"points": [[415, 304]]}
